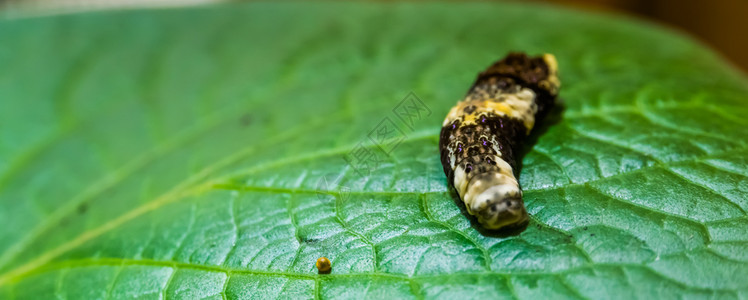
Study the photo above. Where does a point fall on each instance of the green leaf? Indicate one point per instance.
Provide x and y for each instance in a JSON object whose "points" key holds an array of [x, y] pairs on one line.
{"points": [[199, 153]]}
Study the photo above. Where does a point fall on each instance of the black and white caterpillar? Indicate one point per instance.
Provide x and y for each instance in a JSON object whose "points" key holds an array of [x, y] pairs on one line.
{"points": [[482, 135]]}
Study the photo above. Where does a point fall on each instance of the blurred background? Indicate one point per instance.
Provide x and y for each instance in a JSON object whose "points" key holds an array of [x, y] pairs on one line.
{"points": [[720, 24]]}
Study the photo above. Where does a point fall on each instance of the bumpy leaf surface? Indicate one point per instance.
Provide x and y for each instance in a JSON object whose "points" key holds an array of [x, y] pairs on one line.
{"points": [[200, 153]]}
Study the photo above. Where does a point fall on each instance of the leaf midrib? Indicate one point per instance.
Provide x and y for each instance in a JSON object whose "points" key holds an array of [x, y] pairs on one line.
{"points": [[119, 262]]}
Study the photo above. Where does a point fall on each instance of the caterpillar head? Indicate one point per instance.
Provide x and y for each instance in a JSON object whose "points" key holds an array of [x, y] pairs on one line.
{"points": [[495, 200], [504, 207]]}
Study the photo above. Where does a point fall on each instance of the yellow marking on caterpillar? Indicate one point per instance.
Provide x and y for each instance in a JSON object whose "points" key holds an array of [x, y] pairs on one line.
{"points": [[519, 106]]}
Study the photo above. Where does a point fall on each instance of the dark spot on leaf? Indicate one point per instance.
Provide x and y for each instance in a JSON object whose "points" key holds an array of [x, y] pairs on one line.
{"points": [[245, 120], [82, 208]]}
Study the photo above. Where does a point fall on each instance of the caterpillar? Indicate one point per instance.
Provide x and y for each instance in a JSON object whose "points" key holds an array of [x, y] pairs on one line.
{"points": [[482, 135]]}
